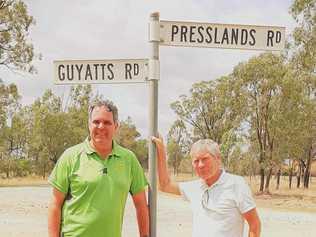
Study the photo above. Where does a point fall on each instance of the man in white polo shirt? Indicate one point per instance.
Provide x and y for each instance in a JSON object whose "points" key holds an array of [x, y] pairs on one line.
{"points": [[220, 201]]}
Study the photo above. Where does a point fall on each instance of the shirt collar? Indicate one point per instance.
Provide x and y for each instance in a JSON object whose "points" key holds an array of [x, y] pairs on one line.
{"points": [[89, 150], [220, 180], [115, 149]]}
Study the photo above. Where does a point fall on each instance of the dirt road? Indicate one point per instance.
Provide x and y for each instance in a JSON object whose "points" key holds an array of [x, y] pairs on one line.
{"points": [[23, 213]]}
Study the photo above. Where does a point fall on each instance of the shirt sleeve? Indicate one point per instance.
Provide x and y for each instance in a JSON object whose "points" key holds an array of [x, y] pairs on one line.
{"points": [[245, 201], [59, 178], [139, 181], [185, 190]]}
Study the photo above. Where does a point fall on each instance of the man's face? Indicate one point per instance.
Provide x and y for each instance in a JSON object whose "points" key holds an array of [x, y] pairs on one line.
{"points": [[206, 165], [102, 127]]}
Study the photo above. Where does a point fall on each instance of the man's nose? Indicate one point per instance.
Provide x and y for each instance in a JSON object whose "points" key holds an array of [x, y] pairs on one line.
{"points": [[201, 163], [101, 125]]}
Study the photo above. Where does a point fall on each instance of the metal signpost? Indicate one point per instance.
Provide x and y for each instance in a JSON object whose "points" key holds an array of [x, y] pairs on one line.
{"points": [[154, 39], [166, 33]]}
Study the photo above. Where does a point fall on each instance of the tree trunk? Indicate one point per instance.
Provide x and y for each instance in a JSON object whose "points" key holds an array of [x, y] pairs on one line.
{"points": [[290, 177], [266, 187], [308, 169], [8, 168], [298, 175], [44, 171], [175, 165], [278, 179], [261, 179]]}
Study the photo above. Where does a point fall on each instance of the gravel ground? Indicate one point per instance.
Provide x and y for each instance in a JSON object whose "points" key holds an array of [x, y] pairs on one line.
{"points": [[23, 213]]}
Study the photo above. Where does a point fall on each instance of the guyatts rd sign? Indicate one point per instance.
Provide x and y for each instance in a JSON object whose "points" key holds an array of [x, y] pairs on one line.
{"points": [[209, 35], [101, 71]]}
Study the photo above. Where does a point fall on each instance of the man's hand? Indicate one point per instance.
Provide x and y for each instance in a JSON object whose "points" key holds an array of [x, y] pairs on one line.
{"points": [[159, 144], [165, 183]]}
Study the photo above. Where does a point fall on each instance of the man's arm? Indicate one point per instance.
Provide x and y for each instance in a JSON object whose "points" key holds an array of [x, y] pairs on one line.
{"points": [[254, 222], [165, 183], [54, 213], [140, 204]]}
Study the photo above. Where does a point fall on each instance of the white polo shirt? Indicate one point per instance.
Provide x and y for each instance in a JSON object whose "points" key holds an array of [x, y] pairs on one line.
{"points": [[220, 214]]}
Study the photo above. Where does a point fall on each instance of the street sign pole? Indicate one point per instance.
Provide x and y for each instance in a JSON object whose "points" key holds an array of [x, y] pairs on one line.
{"points": [[154, 68]]}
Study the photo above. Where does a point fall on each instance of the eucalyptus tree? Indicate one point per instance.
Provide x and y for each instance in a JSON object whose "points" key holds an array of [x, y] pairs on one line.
{"points": [[178, 144], [259, 83], [128, 136], [9, 103], [16, 49], [76, 107], [50, 133], [304, 61], [212, 110]]}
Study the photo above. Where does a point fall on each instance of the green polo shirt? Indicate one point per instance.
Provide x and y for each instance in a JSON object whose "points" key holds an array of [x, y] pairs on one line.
{"points": [[96, 189]]}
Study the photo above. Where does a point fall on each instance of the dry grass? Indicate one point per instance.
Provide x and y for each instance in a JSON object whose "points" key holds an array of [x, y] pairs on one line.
{"points": [[23, 181], [295, 199]]}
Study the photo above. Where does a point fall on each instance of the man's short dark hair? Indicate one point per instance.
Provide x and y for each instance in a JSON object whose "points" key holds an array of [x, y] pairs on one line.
{"points": [[106, 103]]}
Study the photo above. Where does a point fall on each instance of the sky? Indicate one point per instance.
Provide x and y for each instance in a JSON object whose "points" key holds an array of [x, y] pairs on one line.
{"points": [[118, 29]]}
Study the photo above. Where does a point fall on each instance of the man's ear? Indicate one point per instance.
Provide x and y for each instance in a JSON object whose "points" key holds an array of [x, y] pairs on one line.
{"points": [[117, 126]]}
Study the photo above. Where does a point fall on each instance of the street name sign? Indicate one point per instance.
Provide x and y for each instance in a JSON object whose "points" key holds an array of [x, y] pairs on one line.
{"points": [[101, 71], [193, 34]]}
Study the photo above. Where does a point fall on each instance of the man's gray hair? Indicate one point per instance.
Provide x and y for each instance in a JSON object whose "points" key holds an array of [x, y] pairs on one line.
{"points": [[207, 145], [106, 103]]}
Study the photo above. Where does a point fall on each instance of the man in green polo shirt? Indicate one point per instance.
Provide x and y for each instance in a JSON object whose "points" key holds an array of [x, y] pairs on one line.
{"points": [[91, 181]]}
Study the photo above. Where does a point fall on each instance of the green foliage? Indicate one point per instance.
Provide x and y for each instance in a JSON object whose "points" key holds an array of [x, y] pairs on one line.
{"points": [[260, 82], [304, 12], [129, 137], [9, 102], [22, 167], [77, 106], [304, 62], [174, 155], [243, 162], [16, 51], [212, 111], [178, 144], [208, 109]]}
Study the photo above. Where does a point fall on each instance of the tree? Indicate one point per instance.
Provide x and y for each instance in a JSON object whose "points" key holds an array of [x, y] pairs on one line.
{"points": [[9, 103], [129, 137], [212, 111], [76, 107], [259, 83], [55, 128], [47, 132], [16, 51], [178, 144], [304, 12], [304, 61]]}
